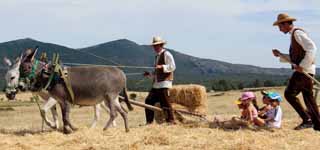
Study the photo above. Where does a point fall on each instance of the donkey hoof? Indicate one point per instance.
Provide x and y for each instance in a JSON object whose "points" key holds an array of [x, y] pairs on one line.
{"points": [[54, 127], [67, 130], [75, 129], [127, 130]]}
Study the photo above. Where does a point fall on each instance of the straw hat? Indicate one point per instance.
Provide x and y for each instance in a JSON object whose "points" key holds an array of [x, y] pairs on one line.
{"points": [[283, 17], [158, 40]]}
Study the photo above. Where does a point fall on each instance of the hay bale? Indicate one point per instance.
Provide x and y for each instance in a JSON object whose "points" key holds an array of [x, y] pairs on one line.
{"points": [[192, 98]]}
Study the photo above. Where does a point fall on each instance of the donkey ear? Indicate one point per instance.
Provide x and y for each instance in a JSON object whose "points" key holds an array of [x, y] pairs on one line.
{"points": [[17, 62], [29, 54], [7, 61]]}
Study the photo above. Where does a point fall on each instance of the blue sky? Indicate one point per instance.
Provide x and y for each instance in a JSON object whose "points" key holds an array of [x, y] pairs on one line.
{"points": [[236, 31]]}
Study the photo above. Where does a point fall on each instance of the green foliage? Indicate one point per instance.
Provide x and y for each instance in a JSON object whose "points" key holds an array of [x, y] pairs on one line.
{"points": [[133, 96], [240, 86], [257, 83], [269, 83]]}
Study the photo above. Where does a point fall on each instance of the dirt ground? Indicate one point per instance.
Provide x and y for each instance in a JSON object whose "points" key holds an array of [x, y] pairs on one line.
{"points": [[20, 129]]}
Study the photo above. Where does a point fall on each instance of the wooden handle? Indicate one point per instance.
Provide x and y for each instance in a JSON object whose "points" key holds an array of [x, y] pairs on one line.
{"points": [[305, 73], [137, 103]]}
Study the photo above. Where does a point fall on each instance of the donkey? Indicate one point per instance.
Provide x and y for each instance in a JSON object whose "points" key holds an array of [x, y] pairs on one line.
{"points": [[90, 85], [13, 86]]}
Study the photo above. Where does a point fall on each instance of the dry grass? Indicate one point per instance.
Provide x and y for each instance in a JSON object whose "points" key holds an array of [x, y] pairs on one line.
{"points": [[20, 130]]}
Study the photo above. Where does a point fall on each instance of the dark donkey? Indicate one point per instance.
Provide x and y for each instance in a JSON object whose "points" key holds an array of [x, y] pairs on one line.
{"points": [[91, 85]]}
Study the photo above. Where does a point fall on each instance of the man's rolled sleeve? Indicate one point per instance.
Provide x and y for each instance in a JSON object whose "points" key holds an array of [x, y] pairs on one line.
{"points": [[309, 47], [170, 65]]}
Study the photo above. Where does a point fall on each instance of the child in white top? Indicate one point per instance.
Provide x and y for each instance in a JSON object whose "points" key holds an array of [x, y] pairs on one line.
{"points": [[274, 115]]}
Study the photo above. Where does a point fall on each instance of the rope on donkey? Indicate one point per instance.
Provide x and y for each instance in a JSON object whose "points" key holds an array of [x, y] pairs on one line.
{"points": [[36, 98], [119, 66]]}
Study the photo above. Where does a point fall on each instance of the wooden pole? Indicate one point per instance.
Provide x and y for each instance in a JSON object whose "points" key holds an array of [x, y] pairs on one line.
{"points": [[305, 73], [142, 104]]}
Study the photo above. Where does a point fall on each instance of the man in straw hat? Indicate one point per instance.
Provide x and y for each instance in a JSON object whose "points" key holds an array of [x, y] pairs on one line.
{"points": [[162, 81], [302, 55]]}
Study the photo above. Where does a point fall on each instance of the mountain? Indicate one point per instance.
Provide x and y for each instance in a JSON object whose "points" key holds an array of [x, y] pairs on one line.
{"points": [[126, 52], [13, 49]]}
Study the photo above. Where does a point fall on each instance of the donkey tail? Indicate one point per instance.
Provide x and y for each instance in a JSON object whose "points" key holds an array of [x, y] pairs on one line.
{"points": [[126, 99]]}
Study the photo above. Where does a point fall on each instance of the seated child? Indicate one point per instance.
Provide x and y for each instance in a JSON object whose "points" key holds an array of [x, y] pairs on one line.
{"points": [[265, 100], [273, 115], [249, 112]]}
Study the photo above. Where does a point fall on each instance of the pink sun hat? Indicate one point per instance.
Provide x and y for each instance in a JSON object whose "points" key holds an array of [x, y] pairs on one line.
{"points": [[247, 95]]}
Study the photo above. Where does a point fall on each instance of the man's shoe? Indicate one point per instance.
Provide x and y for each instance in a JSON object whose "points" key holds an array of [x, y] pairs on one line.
{"points": [[171, 122], [304, 125], [316, 129], [147, 124]]}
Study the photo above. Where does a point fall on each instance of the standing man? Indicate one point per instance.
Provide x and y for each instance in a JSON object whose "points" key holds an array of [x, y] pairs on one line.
{"points": [[302, 54], [162, 81]]}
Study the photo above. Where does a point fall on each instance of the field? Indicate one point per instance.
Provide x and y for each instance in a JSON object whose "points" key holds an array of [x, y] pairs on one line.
{"points": [[20, 129]]}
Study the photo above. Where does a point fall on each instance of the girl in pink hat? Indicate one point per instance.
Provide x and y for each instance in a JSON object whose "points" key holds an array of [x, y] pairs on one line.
{"points": [[249, 112]]}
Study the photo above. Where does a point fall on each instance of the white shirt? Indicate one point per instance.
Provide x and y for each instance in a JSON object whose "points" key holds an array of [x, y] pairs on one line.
{"points": [[168, 67], [275, 114], [308, 62]]}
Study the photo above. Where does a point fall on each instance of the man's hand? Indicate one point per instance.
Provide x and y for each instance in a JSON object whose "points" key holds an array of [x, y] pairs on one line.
{"points": [[276, 52], [298, 68], [159, 66]]}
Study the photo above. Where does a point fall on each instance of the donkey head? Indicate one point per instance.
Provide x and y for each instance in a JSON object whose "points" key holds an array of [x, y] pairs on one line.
{"points": [[12, 77], [21, 67]]}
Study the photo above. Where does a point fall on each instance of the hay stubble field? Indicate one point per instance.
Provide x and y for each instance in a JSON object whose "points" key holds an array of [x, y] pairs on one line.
{"points": [[20, 129]]}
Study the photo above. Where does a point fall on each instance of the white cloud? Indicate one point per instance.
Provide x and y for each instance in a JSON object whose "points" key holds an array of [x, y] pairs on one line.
{"points": [[201, 28]]}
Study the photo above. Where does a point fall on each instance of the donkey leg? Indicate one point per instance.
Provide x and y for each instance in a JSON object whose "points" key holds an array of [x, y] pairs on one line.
{"points": [[104, 106], [55, 116], [96, 117], [113, 113], [65, 108], [123, 113], [68, 117], [45, 108]]}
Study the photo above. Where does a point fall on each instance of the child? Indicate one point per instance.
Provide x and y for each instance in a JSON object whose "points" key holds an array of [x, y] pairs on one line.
{"points": [[273, 115], [265, 100], [249, 112]]}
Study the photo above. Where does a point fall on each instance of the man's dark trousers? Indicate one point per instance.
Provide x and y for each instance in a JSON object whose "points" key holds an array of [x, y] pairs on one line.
{"points": [[159, 95], [301, 83]]}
